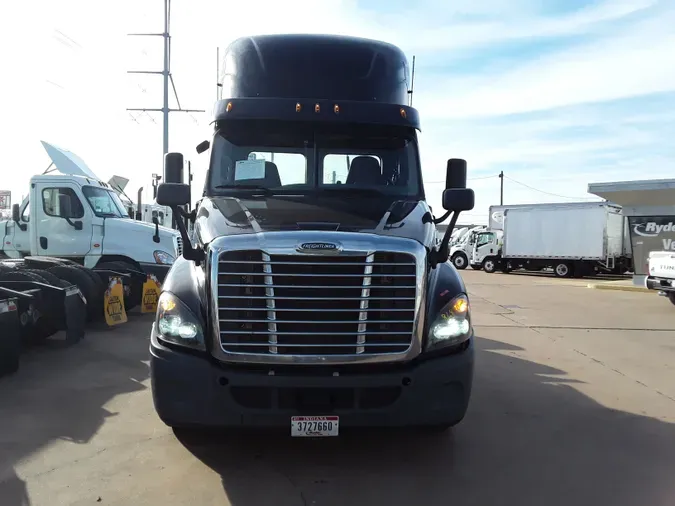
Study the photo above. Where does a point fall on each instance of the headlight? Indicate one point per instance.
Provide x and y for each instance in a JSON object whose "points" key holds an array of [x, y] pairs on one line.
{"points": [[176, 324], [452, 326], [162, 257]]}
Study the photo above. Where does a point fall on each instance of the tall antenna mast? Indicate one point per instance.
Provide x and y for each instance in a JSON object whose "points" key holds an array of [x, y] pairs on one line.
{"points": [[412, 83], [167, 77], [218, 85]]}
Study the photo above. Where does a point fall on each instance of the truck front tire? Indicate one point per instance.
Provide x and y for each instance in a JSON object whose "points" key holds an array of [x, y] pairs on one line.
{"points": [[459, 260]]}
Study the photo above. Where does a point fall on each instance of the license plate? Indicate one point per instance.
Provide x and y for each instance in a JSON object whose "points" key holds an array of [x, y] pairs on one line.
{"points": [[315, 426]]}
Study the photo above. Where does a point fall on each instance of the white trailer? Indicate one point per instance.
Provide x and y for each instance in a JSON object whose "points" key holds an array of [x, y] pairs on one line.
{"points": [[580, 238]]}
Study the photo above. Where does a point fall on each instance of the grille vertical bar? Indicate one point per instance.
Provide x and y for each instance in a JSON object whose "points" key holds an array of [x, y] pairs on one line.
{"points": [[363, 315], [271, 313]]}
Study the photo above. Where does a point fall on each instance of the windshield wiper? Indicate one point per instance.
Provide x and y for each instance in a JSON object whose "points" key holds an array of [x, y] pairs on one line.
{"points": [[356, 191], [264, 189]]}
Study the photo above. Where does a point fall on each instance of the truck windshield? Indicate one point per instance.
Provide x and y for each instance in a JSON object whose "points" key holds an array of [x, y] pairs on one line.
{"points": [[309, 158], [104, 203]]}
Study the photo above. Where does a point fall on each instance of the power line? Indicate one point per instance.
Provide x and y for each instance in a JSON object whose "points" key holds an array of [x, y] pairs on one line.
{"points": [[545, 192], [468, 179]]}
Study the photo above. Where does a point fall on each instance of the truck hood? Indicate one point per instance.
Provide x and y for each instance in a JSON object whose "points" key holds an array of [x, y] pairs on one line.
{"points": [[219, 216], [137, 236]]}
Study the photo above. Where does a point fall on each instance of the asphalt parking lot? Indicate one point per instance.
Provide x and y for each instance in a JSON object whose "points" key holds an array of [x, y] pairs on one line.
{"points": [[573, 404]]}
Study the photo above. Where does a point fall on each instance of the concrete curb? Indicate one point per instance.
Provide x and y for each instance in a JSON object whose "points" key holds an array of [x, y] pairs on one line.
{"points": [[620, 288]]}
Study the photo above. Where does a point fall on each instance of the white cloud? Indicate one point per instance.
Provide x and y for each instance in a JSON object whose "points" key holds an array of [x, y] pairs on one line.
{"points": [[630, 62]]}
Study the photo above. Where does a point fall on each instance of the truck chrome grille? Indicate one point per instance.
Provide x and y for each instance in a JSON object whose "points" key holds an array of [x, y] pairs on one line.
{"points": [[179, 246], [316, 305]]}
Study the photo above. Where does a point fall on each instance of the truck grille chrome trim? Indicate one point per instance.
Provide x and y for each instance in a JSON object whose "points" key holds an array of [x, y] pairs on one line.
{"points": [[360, 304], [271, 314]]}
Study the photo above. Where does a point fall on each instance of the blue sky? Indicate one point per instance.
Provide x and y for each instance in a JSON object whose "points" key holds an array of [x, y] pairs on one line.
{"points": [[556, 94]]}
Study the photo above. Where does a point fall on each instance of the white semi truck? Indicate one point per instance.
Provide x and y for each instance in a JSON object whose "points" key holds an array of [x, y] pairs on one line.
{"points": [[76, 216], [574, 239]]}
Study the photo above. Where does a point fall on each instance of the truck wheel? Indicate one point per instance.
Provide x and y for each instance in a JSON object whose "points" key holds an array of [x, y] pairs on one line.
{"points": [[563, 270], [459, 260], [49, 277], [74, 276], [489, 265], [100, 287], [671, 297]]}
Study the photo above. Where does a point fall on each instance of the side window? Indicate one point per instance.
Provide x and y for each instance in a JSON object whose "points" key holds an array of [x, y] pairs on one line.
{"points": [[51, 202], [25, 216], [484, 239]]}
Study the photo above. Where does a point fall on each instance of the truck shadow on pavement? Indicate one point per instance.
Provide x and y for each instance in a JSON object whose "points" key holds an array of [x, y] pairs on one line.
{"points": [[529, 438], [60, 393]]}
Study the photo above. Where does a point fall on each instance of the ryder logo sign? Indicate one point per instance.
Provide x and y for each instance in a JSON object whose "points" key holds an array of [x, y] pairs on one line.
{"points": [[657, 229]]}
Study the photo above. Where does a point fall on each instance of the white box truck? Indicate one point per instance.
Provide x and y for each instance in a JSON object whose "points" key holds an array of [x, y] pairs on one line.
{"points": [[575, 239]]}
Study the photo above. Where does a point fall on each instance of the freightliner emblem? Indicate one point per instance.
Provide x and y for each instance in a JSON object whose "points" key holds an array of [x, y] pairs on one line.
{"points": [[318, 247]]}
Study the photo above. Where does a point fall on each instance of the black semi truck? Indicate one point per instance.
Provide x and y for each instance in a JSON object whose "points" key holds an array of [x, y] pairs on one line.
{"points": [[313, 295]]}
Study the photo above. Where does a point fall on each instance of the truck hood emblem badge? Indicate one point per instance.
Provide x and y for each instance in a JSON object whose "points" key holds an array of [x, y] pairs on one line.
{"points": [[318, 247]]}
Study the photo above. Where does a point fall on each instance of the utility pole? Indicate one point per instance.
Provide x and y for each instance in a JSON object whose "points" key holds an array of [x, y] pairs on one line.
{"points": [[167, 77], [501, 188]]}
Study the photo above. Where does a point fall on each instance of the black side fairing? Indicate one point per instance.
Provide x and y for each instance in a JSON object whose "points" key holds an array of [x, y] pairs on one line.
{"points": [[188, 285], [444, 284]]}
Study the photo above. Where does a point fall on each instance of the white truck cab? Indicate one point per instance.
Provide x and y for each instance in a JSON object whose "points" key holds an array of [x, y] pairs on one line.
{"points": [[461, 248], [661, 273], [81, 218], [484, 246]]}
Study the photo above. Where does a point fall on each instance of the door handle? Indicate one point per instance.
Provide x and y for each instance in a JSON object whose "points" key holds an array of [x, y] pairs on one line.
{"points": [[43, 242]]}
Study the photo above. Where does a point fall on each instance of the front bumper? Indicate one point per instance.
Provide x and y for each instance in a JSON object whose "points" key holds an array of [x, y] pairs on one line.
{"points": [[191, 390], [660, 284]]}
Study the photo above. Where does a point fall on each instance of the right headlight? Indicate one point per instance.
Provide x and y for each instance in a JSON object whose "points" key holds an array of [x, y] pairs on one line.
{"points": [[452, 326], [176, 324]]}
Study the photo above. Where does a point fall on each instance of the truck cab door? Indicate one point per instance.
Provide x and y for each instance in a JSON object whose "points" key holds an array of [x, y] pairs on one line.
{"points": [[16, 242], [62, 221], [486, 245]]}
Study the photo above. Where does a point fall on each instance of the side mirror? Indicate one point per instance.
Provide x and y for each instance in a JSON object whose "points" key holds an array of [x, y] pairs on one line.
{"points": [[173, 194], [455, 175], [65, 206], [16, 213], [173, 168], [203, 146], [458, 199]]}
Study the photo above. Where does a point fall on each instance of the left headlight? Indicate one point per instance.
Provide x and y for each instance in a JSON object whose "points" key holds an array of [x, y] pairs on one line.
{"points": [[162, 257], [452, 326], [176, 324]]}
